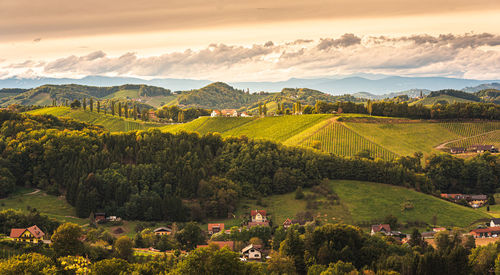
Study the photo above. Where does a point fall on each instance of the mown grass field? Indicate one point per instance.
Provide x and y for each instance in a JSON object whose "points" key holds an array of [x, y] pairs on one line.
{"points": [[52, 206], [371, 201], [362, 203], [112, 123]]}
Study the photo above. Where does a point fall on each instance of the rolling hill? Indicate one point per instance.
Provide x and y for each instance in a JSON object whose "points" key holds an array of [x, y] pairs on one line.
{"points": [[44, 95], [112, 123], [361, 203], [455, 96]]}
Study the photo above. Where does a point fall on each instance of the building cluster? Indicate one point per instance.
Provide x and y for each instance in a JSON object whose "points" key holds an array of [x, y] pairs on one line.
{"points": [[385, 229], [102, 218], [229, 113], [474, 201], [492, 231], [474, 149]]}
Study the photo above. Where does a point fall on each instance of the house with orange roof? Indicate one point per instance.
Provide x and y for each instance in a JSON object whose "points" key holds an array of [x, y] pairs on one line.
{"points": [[214, 228], [31, 234]]}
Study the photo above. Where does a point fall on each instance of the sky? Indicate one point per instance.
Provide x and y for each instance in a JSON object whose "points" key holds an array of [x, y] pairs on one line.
{"points": [[257, 40]]}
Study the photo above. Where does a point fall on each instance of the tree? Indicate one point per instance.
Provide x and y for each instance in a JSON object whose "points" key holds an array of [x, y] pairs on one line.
{"points": [[32, 263], [190, 235], [416, 239], [299, 194], [124, 247], [280, 264], [369, 107], [91, 104], [125, 109], [112, 108], [392, 221], [84, 104], [293, 246], [7, 182], [211, 260], [98, 106], [264, 109], [66, 240], [119, 109], [75, 104], [111, 267]]}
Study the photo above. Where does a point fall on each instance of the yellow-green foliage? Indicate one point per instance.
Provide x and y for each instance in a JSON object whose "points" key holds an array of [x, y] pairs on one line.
{"points": [[273, 128], [337, 139], [112, 123]]}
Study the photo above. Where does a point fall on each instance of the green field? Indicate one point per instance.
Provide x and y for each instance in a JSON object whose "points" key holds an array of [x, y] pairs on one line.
{"points": [[52, 206], [427, 101], [364, 202], [112, 123], [370, 201]]}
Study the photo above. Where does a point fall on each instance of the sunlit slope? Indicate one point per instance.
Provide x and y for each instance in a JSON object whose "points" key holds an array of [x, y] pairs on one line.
{"points": [[112, 123], [273, 128]]}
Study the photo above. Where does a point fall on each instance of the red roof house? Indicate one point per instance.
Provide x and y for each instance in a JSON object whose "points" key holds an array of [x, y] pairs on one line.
{"points": [[383, 228], [31, 234]]}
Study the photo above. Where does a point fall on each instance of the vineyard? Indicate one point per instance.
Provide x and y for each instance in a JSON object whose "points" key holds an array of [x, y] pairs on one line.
{"points": [[490, 138], [338, 139], [469, 129]]}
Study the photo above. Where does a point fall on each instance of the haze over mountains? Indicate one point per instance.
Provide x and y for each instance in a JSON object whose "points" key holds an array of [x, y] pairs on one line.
{"points": [[354, 84]]}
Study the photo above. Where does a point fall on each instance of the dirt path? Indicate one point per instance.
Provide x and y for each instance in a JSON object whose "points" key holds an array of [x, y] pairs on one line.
{"points": [[33, 193], [443, 145]]}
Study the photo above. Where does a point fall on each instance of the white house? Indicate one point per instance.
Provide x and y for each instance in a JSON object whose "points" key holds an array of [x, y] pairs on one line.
{"points": [[494, 222], [251, 253], [215, 113], [258, 215]]}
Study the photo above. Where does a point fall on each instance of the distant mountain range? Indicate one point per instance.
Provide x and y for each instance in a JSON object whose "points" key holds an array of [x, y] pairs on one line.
{"points": [[348, 85]]}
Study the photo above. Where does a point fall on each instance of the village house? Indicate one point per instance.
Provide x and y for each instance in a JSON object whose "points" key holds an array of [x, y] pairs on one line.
{"points": [[494, 222], [31, 234], [245, 114], [215, 113], [229, 112], [259, 217], [152, 116], [486, 232], [214, 228], [251, 253], [474, 201], [99, 217], [382, 228], [220, 244], [160, 231], [439, 229]]}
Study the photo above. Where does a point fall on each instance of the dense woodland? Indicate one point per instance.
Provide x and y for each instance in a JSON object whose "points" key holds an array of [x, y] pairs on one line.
{"points": [[177, 177]]}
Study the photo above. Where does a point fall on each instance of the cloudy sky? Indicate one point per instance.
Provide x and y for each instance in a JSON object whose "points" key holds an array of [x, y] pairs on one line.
{"points": [[249, 40]]}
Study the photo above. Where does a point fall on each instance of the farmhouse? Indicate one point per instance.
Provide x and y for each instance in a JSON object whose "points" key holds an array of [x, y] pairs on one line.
{"points": [[98, 217], [245, 114], [251, 253], [494, 222], [382, 228], [215, 113], [483, 148], [486, 232], [160, 231], [229, 112], [259, 217], [215, 228], [457, 150], [476, 201], [31, 234]]}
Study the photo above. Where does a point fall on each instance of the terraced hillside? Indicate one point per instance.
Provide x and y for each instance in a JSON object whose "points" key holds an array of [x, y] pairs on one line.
{"points": [[490, 138], [112, 123]]}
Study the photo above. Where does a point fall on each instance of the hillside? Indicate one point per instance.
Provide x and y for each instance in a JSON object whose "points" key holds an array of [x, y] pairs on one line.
{"points": [[455, 96], [44, 95], [361, 203], [217, 95], [112, 123]]}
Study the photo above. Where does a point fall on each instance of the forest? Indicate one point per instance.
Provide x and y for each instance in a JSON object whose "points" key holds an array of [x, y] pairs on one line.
{"points": [[150, 175]]}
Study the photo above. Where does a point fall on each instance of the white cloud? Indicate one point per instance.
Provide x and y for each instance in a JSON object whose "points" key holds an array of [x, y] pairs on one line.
{"points": [[468, 55]]}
